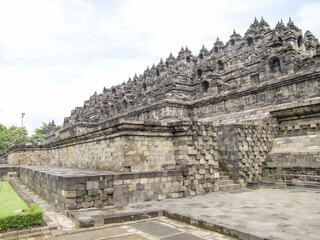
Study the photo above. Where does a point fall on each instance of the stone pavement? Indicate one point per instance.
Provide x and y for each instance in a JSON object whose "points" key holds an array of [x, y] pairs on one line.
{"points": [[59, 226], [155, 229], [262, 213]]}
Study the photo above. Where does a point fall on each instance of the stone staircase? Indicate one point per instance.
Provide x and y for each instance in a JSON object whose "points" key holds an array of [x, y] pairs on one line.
{"points": [[226, 183]]}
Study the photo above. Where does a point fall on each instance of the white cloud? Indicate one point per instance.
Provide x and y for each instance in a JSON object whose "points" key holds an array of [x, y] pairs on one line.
{"points": [[54, 54], [309, 14]]}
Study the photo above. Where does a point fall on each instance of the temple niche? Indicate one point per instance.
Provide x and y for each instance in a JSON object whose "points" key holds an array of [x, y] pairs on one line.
{"points": [[274, 65]]}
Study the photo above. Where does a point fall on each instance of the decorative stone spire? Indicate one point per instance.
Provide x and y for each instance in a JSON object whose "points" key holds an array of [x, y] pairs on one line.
{"points": [[171, 57], [161, 64], [135, 78], [235, 34], [254, 27], [204, 50], [311, 41], [291, 25], [146, 72], [187, 51], [263, 22], [264, 25], [181, 51], [310, 36], [181, 54], [280, 26], [218, 42]]}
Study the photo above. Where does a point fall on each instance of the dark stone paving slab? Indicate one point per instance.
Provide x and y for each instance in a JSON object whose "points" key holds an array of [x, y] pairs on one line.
{"points": [[155, 229], [98, 234], [182, 236], [129, 237]]}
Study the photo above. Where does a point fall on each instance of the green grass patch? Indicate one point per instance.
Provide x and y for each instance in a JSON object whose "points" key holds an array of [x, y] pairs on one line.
{"points": [[10, 200]]}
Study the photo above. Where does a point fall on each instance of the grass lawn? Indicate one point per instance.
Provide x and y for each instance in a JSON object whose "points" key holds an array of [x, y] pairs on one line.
{"points": [[10, 200]]}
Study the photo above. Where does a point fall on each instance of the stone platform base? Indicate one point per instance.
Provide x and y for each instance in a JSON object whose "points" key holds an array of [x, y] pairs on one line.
{"points": [[69, 189], [8, 172]]}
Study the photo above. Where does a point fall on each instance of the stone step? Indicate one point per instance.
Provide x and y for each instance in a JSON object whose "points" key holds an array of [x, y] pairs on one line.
{"points": [[30, 233], [224, 178], [223, 183], [230, 187], [221, 174]]}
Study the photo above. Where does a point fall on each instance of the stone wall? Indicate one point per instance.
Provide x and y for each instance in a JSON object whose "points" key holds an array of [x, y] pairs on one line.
{"points": [[298, 127], [243, 150], [194, 147], [3, 159], [74, 189], [197, 154], [9, 173], [276, 174], [295, 151], [122, 147], [272, 94], [298, 141]]}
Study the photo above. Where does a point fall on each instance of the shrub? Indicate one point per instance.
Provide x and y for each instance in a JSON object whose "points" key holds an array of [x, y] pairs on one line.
{"points": [[24, 219]]}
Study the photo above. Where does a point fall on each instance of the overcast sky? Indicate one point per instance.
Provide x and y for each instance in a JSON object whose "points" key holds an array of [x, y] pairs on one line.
{"points": [[54, 54]]}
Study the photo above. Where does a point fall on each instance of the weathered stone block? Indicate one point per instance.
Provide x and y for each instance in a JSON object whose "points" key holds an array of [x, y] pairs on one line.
{"points": [[85, 204], [90, 185], [117, 182], [132, 187], [103, 197], [70, 194], [87, 198], [108, 191], [93, 192]]}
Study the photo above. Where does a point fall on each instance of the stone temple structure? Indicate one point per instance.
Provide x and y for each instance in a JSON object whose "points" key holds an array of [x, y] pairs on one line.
{"points": [[248, 109]]}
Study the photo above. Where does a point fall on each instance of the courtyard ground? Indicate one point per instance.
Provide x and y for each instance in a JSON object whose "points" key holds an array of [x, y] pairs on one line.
{"points": [[263, 213]]}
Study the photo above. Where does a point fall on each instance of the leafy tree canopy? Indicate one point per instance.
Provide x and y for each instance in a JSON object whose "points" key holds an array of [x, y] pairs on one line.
{"points": [[15, 135], [11, 136], [40, 133]]}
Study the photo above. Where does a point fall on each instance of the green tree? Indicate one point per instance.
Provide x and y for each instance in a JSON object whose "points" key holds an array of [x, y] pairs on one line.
{"points": [[40, 133], [18, 135], [4, 138], [11, 136]]}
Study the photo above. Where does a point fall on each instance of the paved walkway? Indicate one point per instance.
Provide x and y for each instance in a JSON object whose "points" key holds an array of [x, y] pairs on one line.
{"points": [[156, 229], [59, 226], [266, 213]]}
